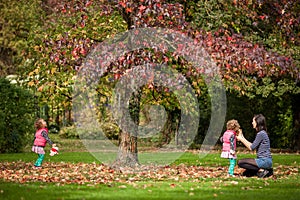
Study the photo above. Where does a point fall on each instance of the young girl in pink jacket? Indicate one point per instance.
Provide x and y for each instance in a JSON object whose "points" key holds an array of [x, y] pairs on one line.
{"points": [[229, 144], [40, 139]]}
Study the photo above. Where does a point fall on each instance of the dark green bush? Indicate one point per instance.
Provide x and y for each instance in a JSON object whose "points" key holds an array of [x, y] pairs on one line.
{"points": [[110, 130], [16, 114]]}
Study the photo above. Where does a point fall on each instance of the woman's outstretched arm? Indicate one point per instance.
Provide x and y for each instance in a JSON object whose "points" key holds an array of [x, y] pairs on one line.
{"points": [[240, 137]]}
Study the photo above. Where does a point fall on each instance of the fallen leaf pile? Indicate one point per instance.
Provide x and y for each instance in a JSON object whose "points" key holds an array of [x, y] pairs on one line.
{"points": [[84, 173]]}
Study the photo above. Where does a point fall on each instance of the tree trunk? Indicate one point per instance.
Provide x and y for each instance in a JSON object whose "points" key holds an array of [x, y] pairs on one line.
{"points": [[296, 111], [128, 151], [170, 130]]}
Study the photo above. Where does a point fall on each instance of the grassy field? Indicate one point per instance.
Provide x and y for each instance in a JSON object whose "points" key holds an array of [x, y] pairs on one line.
{"points": [[188, 177], [250, 188]]}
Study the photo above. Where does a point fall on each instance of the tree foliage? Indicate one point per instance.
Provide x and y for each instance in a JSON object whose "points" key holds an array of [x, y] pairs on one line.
{"points": [[69, 32], [18, 21], [245, 52], [251, 62]]}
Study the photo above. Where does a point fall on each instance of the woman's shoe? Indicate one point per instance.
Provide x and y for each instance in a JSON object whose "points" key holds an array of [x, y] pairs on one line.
{"points": [[265, 173], [270, 172], [249, 173]]}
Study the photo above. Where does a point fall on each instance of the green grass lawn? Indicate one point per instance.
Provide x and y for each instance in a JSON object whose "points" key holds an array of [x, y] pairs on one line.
{"points": [[250, 188], [284, 185]]}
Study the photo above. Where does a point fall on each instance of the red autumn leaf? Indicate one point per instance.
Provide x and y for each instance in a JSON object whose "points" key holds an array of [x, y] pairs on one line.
{"points": [[122, 4], [74, 52], [88, 3], [128, 10], [142, 8], [160, 17], [262, 17], [82, 51]]}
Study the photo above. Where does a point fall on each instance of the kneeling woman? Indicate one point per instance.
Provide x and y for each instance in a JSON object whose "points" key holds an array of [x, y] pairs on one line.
{"points": [[262, 165]]}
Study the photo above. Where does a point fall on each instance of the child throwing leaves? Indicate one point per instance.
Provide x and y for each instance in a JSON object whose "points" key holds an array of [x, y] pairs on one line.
{"points": [[229, 144], [40, 140]]}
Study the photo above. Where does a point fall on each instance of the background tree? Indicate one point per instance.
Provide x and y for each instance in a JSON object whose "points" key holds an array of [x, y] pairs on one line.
{"points": [[58, 48], [18, 21]]}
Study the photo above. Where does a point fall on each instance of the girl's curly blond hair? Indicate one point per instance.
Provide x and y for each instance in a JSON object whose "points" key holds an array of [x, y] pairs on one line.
{"points": [[233, 125], [39, 123]]}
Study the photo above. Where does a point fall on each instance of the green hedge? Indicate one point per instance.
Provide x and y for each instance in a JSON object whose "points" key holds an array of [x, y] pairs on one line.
{"points": [[16, 114]]}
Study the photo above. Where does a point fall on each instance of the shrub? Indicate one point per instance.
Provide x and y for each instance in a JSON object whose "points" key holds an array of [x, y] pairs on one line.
{"points": [[110, 130], [69, 132], [16, 113]]}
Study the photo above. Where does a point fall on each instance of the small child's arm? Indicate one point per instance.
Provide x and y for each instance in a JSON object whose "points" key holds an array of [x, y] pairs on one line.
{"points": [[45, 135], [232, 147]]}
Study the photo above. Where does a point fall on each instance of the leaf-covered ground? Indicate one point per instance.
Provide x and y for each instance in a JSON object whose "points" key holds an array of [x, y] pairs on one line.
{"points": [[83, 173]]}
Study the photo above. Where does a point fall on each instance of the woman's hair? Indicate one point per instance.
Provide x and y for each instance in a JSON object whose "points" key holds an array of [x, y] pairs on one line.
{"points": [[233, 125], [260, 122], [39, 123]]}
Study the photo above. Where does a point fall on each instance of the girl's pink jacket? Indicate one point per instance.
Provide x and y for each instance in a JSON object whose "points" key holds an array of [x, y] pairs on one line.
{"points": [[39, 139], [226, 140]]}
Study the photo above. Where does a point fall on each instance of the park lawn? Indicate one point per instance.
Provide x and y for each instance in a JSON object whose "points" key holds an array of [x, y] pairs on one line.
{"points": [[283, 187], [188, 158], [231, 188]]}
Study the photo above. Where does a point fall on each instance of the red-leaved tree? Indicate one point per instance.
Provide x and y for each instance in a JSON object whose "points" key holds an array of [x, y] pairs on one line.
{"points": [[245, 67]]}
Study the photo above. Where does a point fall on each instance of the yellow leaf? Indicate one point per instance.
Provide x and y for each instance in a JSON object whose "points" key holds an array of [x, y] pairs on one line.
{"points": [[40, 88], [31, 83], [53, 70], [36, 48], [59, 36]]}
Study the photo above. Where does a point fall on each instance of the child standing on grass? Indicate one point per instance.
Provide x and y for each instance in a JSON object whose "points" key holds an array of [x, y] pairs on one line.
{"points": [[229, 144], [40, 140]]}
